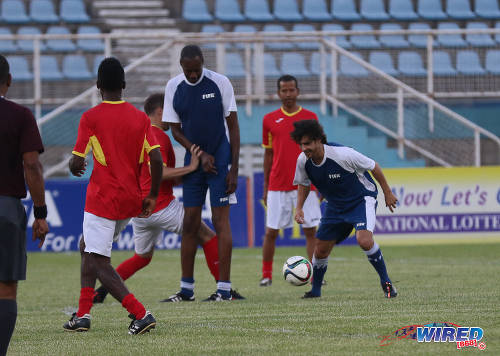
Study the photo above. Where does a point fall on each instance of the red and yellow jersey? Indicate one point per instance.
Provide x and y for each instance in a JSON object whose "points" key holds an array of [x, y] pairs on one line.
{"points": [[166, 194], [120, 136], [276, 128]]}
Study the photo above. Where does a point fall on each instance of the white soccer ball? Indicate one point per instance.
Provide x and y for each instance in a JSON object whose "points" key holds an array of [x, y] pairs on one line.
{"points": [[297, 270]]}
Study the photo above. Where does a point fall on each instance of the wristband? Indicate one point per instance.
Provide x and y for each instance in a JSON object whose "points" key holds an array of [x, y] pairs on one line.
{"points": [[40, 212]]}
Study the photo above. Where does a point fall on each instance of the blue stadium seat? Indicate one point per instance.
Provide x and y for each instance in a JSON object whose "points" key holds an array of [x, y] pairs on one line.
{"points": [[316, 64], [301, 27], [479, 40], [468, 63], [450, 40], [418, 40], [49, 70], [73, 11], [459, 9], [383, 61], [270, 68], [14, 12], [97, 61], [410, 63], [294, 64], [315, 10], [235, 68], [258, 11], [487, 9], [212, 29], [287, 10], [392, 41], [91, 45], [497, 36], [42, 11], [75, 67], [7, 46], [63, 45], [493, 61], [350, 68], [344, 10], [363, 41], [431, 10], [196, 11], [402, 10], [19, 68], [228, 11], [27, 45], [373, 10], [277, 45], [441, 64], [243, 29], [341, 40]]}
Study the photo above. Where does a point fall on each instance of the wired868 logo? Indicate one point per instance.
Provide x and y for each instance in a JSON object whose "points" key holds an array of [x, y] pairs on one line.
{"points": [[439, 332]]}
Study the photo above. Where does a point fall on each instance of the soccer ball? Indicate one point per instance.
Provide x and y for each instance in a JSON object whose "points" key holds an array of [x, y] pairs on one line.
{"points": [[297, 270]]}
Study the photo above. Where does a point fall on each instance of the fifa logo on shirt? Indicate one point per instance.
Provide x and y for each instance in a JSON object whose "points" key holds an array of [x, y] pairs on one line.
{"points": [[334, 176], [208, 96]]}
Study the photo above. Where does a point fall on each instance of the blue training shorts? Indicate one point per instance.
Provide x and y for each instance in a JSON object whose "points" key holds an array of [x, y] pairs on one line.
{"points": [[196, 184], [338, 226]]}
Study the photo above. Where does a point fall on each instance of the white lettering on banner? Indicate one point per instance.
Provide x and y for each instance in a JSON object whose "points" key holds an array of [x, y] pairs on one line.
{"points": [[168, 241], [125, 241], [57, 243], [53, 217]]}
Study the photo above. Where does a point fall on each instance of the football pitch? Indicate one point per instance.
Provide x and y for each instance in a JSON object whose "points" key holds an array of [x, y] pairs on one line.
{"points": [[454, 283]]}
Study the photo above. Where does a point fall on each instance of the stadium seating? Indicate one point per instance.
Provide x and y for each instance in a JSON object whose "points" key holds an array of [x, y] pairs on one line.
{"points": [[459, 9], [468, 63], [277, 45], [19, 68], [402, 10], [287, 10], [258, 11], [383, 61], [7, 46], [431, 10], [270, 68], [410, 63], [344, 10], [27, 45], [49, 70], [487, 9], [307, 44], [418, 40], [235, 68], [441, 64], [315, 66], [196, 11], [479, 40], [492, 64], [97, 61], [455, 40], [73, 11], [60, 45], [42, 11], [373, 10], [243, 29], [75, 67], [315, 10], [363, 41], [228, 11], [212, 29], [294, 64], [340, 40], [350, 68], [497, 36], [392, 41], [90, 45], [14, 12]]}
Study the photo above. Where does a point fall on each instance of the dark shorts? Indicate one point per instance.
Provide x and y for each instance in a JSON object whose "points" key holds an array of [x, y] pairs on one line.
{"points": [[196, 184], [12, 240]]}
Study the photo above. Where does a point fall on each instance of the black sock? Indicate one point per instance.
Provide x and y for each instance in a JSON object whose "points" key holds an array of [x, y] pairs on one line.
{"points": [[8, 316]]}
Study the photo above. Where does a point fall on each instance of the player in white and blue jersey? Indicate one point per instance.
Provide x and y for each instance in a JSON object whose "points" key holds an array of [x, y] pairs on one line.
{"points": [[341, 176], [201, 109]]}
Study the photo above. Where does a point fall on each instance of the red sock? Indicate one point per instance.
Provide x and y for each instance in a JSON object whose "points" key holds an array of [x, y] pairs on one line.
{"points": [[128, 267], [85, 302], [267, 269], [211, 250], [133, 306]]}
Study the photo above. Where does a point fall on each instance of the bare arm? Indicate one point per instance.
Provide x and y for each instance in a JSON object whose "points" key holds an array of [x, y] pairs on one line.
{"points": [[149, 203], [302, 193], [234, 137], [390, 199], [34, 179], [173, 173], [268, 163]]}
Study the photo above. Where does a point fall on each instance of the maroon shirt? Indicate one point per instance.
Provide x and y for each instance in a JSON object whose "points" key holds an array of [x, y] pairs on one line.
{"points": [[18, 134]]}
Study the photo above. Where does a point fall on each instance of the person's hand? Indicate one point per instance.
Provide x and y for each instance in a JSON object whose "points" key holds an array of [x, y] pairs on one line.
{"points": [[390, 201], [264, 197], [299, 216], [195, 156], [148, 206], [77, 166], [40, 229], [231, 181], [208, 163]]}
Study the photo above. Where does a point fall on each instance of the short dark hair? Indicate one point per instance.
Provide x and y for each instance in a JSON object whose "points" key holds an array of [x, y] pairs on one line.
{"points": [[287, 78], [191, 52], [308, 128], [110, 75], [4, 70], [153, 102]]}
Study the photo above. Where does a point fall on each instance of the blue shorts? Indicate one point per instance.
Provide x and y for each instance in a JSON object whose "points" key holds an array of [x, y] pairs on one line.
{"points": [[196, 184], [337, 227]]}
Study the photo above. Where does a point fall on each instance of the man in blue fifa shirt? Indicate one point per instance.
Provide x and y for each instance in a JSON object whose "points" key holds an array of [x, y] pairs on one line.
{"points": [[341, 176]]}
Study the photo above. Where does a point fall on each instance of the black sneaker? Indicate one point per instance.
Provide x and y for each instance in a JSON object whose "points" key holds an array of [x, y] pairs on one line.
{"points": [[178, 297], [99, 295], [309, 294], [235, 295], [265, 282], [142, 326], [77, 324], [217, 297], [389, 290]]}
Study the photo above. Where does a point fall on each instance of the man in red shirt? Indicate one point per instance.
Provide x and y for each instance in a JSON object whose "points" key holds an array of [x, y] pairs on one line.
{"points": [[280, 159], [119, 135]]}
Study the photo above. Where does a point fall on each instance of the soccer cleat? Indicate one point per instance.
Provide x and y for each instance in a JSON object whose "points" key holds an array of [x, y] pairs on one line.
{"points": [[178, 297], [99, 295], [309, 294], [389, 290], [265, 282], [235, 295], [217, 297], [143, 325], [77, 324]]}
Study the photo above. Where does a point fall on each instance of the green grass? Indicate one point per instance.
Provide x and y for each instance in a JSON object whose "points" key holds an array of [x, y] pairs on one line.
{"points": [[436, 283]]}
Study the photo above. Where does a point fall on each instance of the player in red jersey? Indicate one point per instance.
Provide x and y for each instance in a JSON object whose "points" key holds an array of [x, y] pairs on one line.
{"points": [[119, 135], [280, 159]]}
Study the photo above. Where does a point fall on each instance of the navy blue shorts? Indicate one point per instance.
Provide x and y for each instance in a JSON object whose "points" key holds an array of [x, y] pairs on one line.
{"points": [[337, 227], [196, 184], [12, 240]]}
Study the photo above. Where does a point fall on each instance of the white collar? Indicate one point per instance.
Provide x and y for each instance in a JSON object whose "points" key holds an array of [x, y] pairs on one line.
{"points": [[199, 80]]}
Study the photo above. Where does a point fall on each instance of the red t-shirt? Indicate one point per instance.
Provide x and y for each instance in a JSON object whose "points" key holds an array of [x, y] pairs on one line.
{"points": [[166, 194], [119, 135], [276, 128]]}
